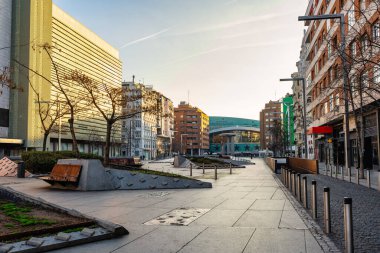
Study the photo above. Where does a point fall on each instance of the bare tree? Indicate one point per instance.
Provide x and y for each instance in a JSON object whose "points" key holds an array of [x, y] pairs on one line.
{"points": [[109, 100], [278, 141], [73, 100], [49, 113]]}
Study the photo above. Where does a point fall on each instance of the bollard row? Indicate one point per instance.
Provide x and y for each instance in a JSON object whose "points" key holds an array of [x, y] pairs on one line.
{"points": [[292, 181]]}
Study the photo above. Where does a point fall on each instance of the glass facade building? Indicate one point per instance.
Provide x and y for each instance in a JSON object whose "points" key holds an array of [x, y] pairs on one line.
{"points": [[243, 135]]}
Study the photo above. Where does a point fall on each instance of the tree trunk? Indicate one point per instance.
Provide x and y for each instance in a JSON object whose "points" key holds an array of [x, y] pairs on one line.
{"points": [[46, 134], [108, 141], [72, 131]]}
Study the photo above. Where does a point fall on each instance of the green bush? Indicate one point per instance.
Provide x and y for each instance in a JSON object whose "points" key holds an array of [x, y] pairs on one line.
{"points": [[44, 161]]}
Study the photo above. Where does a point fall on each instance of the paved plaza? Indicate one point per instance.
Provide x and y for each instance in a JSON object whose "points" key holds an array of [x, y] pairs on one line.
{"points": [[247, 211]]}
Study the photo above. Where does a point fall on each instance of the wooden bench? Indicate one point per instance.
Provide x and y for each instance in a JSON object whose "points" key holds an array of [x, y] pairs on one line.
{"points": [[64, 174]]}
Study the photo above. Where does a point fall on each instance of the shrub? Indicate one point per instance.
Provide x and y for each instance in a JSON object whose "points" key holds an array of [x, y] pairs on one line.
{"points": [[44, 161]]}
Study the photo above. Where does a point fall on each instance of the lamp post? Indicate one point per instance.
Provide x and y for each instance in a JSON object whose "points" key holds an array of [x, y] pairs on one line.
{"points": [[304, 107], [181, 140], [345, 81]]}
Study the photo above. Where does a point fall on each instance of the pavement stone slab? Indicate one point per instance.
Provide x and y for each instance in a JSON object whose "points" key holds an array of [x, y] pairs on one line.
{"points": [[217, 240], [259, 219], [218, 218], [277, 241]]}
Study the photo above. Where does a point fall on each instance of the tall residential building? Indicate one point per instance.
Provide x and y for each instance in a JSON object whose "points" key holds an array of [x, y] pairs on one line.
{"points": [[270, 117], [147, 135], [191, 125], [70, 46], [298, 116], [322, 65]]}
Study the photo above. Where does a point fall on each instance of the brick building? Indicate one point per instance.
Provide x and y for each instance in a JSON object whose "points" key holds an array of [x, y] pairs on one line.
{"points": [[191, 130], [269, 116], [321, 64]]}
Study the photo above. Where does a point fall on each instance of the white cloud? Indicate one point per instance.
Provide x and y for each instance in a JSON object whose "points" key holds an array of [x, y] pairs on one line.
{"points": [[152, 36], [235, 23]]}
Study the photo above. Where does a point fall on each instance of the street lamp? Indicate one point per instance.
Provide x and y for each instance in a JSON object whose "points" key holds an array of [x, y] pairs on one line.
{"points": [[181, 140], [345, 81], [304, 107]]}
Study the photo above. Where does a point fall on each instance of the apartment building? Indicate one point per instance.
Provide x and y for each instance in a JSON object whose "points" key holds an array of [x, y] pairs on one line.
{"points": [[148, 134], [191, 130], [71, 46], [270, 117], [321, 65]]}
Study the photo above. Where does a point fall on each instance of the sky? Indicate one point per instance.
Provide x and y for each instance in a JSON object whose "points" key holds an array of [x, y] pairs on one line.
{"points": [[224, 56]]}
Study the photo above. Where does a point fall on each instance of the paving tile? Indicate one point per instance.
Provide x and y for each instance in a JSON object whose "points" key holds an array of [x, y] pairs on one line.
{"points": [[220, 240], [162, 240], [268, 204], [218, 218], [259, 195], [259, 219], [291, 219], [312, 245], [236, 204], [277, 241]]}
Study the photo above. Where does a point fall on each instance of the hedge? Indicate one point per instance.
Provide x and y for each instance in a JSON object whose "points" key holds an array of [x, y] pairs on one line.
{"points": [[44, 161]]}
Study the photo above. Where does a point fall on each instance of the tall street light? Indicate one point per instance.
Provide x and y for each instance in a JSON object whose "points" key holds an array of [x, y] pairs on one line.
{"points": [[181, 140], [304, 108], [345, 80]]}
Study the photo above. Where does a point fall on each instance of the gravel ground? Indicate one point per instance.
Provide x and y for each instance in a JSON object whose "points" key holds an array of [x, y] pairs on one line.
{"points": [[365, 208]]}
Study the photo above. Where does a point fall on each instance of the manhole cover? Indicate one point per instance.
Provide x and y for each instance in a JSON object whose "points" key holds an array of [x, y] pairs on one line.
{"points": [[178, 217]]}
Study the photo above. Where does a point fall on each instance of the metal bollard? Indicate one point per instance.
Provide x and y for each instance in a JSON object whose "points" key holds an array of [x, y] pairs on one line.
{"points": [[203, 166], [331, 170], [314, 198], [291, 181], [369, 178], [285, 177], [299, 187], [326, 209], [20, 170], [305, 191], [349, 173], [357, 176], [230, 168], [191, 169], [216, 173], [348, 227], [294, 187]]}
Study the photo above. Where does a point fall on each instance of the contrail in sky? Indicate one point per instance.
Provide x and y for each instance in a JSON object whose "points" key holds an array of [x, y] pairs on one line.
{"points": [[154, 35]]}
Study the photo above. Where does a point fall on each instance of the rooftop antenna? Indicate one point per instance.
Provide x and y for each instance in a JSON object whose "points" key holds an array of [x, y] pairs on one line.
{"points": [[133, 79], [188, 97]]}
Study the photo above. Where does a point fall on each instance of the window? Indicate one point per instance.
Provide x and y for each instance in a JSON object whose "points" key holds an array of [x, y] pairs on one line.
{"points": [[364, 43], [362, 5], [365, 83], [331, 102], [351, 16], [353, 48], [376, 30], [329, 51], [376, 74]]}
